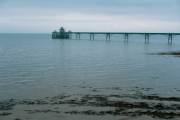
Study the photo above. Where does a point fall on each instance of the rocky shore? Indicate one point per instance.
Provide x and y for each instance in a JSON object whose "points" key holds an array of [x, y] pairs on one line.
{"points": [[96, 104]]}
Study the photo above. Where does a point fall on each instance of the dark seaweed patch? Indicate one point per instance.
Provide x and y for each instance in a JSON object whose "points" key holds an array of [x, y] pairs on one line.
{"points": [[119, 107], [175, 53], [5, 114]]}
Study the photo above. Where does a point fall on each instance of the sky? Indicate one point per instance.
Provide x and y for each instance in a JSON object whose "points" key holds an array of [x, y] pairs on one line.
{"points": [[45, 16]]}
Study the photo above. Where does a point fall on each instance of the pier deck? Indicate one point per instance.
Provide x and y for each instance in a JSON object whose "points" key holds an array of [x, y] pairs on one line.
{"points": [[126, 35]]}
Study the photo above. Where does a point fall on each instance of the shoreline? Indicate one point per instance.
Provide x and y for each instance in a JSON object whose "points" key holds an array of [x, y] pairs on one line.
{"points": [[94, 103]]}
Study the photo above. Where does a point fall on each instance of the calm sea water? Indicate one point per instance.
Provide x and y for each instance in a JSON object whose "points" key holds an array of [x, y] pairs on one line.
{"points": [[33, 64]]}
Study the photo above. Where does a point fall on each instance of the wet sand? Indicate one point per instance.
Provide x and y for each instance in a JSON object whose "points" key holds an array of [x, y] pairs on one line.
{"points": [[104, 103]]}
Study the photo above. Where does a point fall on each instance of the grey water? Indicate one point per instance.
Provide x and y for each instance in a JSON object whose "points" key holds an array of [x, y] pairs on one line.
{"points": [[36, 64]]}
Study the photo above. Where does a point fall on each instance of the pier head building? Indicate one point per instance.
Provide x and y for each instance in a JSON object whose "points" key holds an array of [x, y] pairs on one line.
{"points": [[62, 34]]}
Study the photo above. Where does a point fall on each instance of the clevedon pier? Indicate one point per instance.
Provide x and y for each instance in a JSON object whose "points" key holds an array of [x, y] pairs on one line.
{"points": [[62, 34]]}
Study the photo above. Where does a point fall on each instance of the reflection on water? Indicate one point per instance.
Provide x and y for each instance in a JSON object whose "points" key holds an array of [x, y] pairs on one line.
{"points": [[35, 64]]}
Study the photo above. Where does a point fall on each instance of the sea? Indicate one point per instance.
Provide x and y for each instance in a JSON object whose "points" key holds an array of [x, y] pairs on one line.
{"points": [[36, 66]]}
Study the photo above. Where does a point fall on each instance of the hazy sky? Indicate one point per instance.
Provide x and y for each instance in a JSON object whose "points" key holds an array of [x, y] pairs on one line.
{"points": [[44, 16]]}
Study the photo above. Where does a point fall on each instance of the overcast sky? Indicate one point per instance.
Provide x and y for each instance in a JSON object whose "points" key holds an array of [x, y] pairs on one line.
{"points": [[44, 16]]}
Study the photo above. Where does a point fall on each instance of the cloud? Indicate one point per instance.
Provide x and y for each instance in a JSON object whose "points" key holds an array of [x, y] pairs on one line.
{"points": [[89, 15], [93, 7], [84, 22], [86, 3]]}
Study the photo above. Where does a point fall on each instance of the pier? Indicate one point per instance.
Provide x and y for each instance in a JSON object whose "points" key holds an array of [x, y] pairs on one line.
{"points": [[68, 35], [62, 34]]}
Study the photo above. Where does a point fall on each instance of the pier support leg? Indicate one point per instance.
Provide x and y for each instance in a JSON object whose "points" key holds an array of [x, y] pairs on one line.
{"points": [[78, 36], [147, 38], [126, 37], [92, 36], [170, 39], [108, 36], [70, 35], [54, 36]]}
